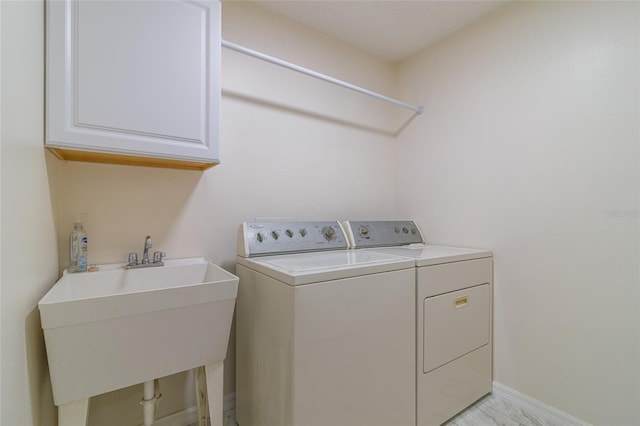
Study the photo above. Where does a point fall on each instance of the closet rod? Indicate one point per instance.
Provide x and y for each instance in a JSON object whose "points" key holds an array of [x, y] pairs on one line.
{"points": [[285, 64]]}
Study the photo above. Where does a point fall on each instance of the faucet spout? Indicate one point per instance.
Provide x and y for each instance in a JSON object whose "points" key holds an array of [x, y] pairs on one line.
{"points": [[132, 258], [145, 253]]}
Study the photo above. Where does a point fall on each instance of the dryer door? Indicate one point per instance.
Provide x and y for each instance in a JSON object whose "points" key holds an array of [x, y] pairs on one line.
{"points": [[455, 324]]}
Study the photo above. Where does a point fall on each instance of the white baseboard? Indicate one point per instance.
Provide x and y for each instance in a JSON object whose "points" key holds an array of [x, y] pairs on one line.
{"points": [[539, 409], [185, 417], [189, 416]]}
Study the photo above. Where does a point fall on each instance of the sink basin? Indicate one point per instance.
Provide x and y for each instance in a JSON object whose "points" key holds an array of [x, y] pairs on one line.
{"points": [[117, 327]]}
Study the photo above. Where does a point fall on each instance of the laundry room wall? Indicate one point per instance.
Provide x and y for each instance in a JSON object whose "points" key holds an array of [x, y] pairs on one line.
{"points": [[292, 147], [29, 247], [529, 147]]}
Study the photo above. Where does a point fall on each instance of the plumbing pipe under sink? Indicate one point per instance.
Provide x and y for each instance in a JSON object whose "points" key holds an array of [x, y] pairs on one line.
{"points": [[149, 401]]}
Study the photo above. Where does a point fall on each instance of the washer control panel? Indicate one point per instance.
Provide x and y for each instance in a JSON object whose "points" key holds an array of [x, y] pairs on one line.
{"points": [[266, 238], [383, 233]]}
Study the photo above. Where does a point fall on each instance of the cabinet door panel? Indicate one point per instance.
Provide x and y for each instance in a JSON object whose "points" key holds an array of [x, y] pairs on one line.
{"points": [[134, 77]]}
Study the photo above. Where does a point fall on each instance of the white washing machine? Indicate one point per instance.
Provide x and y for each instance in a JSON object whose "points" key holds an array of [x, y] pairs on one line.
{"points": [[454, 316], [324, 335]]}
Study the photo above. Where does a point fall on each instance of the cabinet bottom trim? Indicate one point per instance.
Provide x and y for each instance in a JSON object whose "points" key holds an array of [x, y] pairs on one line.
{"points": [[129, 160]]}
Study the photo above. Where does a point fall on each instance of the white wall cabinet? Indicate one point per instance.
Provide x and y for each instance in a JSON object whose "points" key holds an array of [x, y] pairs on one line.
{"points": [[134, 82]]}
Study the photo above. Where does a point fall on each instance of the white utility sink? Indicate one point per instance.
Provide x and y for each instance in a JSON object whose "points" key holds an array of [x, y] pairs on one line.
{"points": [[117, 327]]}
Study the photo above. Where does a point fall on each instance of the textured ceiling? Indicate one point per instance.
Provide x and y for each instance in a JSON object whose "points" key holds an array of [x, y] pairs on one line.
{"points": [[392, 29]]}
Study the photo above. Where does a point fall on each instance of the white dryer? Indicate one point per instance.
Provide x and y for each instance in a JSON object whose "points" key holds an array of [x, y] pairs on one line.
{"points": [[324, 335], [454, 316]]}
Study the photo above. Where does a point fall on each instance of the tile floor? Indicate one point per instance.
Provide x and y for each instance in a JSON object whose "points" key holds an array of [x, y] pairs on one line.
{"points": [[489, 411], [495, 411]]}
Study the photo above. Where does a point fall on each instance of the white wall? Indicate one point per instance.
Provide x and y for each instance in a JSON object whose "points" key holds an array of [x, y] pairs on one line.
{"points": [[530, 146], [29, 249], [1, 364], [291, 147]]}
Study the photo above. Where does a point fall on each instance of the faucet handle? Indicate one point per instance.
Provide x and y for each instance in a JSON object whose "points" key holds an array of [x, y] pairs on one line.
{"points": [[131, 258], [158, 255]]}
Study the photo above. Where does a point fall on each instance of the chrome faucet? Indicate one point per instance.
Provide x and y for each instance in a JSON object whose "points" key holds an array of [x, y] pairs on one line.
{"points": [[132, 258], [147, 246]]}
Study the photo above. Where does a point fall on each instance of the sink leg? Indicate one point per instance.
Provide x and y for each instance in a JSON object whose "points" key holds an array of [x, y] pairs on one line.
{"points": [[74, 413], [215, 375], [201, 395]]}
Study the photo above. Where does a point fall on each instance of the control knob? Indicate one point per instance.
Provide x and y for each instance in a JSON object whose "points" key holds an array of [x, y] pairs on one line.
{"points": [[329, 233], [259, 237], [364, 232]]}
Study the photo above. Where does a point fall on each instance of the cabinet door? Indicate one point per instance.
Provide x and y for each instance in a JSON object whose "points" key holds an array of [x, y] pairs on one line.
{"points": [[134, 78]]}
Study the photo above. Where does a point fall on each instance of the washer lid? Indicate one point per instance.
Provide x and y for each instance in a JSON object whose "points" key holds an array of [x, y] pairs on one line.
{"points": [[425, 254], [306, 268]]}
